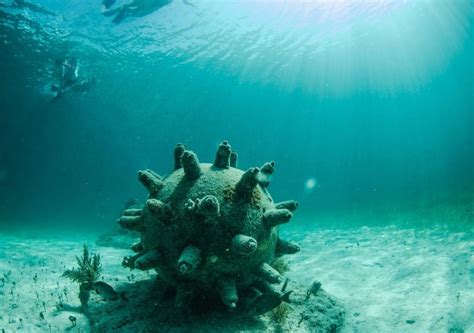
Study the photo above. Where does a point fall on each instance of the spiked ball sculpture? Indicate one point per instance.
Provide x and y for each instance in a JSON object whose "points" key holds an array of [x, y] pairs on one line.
{"points": [[210, 229]]}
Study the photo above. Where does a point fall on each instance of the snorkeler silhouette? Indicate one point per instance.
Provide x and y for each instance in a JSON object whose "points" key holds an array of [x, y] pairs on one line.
{"points": [[137, 8], [106, 4], [69, 79]]}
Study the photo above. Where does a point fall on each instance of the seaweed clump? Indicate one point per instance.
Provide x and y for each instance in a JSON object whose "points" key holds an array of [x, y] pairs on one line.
{"points": [[281, 313], [86, 274]]}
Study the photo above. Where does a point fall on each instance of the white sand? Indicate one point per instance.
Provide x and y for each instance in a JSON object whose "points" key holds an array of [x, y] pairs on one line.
{"points": [[392, 276], [21, 258]]}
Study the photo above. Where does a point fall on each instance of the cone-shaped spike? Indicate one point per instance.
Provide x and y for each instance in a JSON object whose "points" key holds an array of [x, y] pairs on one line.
{"points": [[291, 205], [274, 217], [148, 260], [137, 247], [228, 291], [247, 182], [268, 273], [132, 212], [243, 245], [223, 155], [284, 247], [178, 151], [268, 168], [233, 159], [190, 163], [150, 180], [134, 223], [266, 172], [208, 206], [189, 260], [267, 288], [159, 209], [157, 176]]}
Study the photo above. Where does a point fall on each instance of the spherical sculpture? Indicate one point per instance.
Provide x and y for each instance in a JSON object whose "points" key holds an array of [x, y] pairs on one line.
{"points": [[211, 229]]}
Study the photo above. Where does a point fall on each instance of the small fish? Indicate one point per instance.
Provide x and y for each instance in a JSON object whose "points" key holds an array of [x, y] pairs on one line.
{"points": [[286, 297], [268, 301], [107, 292], [264, 303]]}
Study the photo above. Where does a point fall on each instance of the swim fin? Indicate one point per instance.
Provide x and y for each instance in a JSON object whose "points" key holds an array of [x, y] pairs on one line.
{"points": [[120, 16]]}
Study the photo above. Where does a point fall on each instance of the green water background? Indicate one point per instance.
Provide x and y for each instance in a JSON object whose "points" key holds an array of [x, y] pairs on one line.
{"points": [[373, 101]]}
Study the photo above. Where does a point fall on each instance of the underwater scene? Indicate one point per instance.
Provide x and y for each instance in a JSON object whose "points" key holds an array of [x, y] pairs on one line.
{"points": [[236, 166]]}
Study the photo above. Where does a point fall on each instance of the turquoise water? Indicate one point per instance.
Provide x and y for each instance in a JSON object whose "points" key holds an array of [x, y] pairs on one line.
{"points": [[369, 103], [367, 108]]}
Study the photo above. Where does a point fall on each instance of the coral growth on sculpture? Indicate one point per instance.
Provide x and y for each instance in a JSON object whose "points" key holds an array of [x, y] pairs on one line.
{"points": [[212, 230]]}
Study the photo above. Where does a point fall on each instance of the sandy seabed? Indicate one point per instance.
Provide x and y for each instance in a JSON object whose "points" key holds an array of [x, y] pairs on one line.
{"points": [[394, 280], [389, 279]]}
